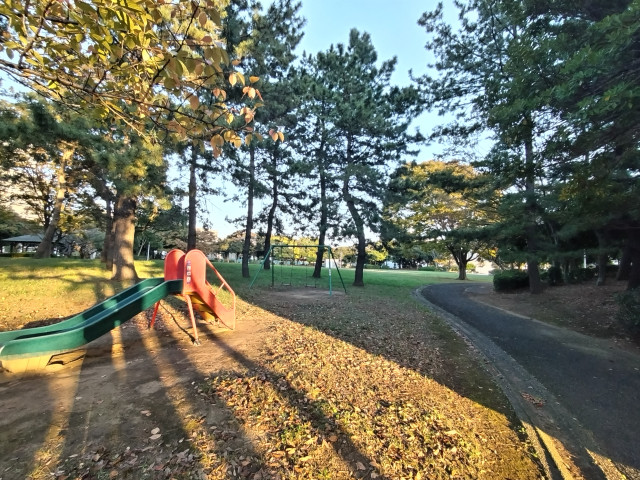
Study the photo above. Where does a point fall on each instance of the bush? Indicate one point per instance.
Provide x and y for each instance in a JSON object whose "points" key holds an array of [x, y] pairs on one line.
{"points": [[553, 276], [629, 310], [579, 275], [610, 271], [510, 280], [428, 268], [471, 267], [17, 255]]}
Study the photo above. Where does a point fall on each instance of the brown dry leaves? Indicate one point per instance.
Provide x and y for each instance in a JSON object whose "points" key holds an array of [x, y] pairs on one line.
{"points": [[341, 388], [320, 407]]}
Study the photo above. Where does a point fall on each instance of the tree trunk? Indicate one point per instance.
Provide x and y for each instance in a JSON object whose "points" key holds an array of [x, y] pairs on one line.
{"points": [[462, 266], [46, 246], [624, 269], [272, 211], [603, 256], [531, 231], [634, 273], [107, 246], [193, 188], [324, 218], [124, 228], [460, 257], [246, 248], [357, 220]]}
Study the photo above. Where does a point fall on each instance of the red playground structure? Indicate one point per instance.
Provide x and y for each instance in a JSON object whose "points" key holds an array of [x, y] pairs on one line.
{"points": [[200, 295]]}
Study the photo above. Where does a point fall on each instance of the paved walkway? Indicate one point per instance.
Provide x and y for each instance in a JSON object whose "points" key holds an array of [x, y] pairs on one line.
{"points": [[581, 391]]}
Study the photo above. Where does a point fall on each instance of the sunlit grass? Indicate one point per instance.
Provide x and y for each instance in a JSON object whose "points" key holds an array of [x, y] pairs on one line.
{"points": [[46, 290], [284, 276]]}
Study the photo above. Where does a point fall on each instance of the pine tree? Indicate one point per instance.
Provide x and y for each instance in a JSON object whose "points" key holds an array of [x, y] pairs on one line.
{"points": [[368, 120]]}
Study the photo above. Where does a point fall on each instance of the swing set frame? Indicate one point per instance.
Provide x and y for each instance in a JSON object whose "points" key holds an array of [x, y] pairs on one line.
{"points": [[270, 255]]}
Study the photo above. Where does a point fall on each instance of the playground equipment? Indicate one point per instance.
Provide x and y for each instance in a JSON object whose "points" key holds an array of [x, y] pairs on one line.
{"points": [[185, 275], [293, 265], [196, 290]]}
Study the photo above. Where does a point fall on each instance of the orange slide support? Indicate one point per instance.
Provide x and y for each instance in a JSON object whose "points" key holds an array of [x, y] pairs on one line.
{"points": [[200, 295]]}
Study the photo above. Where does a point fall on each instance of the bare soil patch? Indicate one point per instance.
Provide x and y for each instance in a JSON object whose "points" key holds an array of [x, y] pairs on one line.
{"points": [[308, 386], [584, 308]]}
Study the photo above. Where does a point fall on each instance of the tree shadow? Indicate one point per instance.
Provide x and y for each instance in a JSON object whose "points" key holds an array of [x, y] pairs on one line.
{"points": [[307, 409]]}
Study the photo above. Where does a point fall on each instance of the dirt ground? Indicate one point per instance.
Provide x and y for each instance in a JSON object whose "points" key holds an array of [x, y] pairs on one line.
{"points": [[293, 392], [115, 402], [584, 308]]}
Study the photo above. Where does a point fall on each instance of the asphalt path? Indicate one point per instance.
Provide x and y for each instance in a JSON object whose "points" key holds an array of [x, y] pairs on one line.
{"points": [[592, 380]]}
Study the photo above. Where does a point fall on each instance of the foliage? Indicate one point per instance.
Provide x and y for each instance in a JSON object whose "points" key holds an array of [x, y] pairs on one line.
{"points": [[367, 119], [263, 44], [629, 310], [554, 276], [552, 85], [12, 224], [141, 63], [507, 280], [435, 204]]}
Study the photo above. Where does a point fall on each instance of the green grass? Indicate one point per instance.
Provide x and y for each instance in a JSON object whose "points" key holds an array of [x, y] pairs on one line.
{"points": [[34, 290], [48, 290], [299, 276]]}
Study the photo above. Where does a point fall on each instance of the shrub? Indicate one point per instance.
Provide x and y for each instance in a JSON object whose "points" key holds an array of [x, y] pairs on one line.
{"points": [[428, 268], [510, 280], [553, 276], [629, 310], [471, 267]]}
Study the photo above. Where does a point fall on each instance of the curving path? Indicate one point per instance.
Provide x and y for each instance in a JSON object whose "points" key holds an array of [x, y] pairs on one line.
{"points": [[579, 393]]}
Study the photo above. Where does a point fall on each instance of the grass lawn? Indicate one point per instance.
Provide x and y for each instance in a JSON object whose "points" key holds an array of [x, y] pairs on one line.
{"points": [[363, 385]]}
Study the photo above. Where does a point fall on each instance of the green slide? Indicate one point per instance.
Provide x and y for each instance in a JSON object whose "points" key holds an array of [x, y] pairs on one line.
{"points": [[88, 325]]}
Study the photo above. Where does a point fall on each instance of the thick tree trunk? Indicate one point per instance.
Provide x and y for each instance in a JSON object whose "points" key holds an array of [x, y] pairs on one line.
{"points": [[462, 265], [324, 219], [246, 248], [460, 257], [359, 223], [193, 190], [531, 231], [124, 228], [46, 246]]}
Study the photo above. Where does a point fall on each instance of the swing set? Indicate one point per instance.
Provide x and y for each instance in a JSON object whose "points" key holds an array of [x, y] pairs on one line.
{"points": [[290, 267]]}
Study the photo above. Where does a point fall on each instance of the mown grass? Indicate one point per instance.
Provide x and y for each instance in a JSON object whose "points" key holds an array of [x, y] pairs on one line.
{"points": [[34, 291]]}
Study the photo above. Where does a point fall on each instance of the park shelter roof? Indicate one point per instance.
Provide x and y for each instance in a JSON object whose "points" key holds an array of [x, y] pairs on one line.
{"points": [[24, 239]]}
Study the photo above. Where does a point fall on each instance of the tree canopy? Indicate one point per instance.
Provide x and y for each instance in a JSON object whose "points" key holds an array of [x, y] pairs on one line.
{"points": [[140, 63]]}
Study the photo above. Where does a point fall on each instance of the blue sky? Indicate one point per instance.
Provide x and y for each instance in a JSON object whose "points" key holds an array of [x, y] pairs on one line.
{"points": [[394, 31], [393, 28]]}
